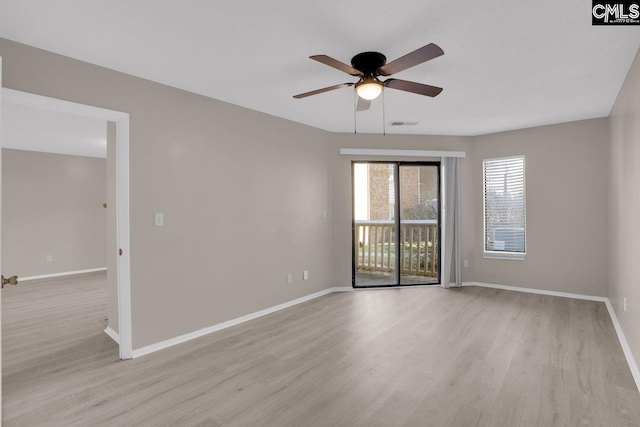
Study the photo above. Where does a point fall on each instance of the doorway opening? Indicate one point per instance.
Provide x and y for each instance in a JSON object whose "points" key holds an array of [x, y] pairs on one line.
{"points": [[395, 223], [117, 125]]}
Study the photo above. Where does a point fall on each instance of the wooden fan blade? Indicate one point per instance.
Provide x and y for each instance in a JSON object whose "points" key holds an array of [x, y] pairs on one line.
{"points": [[416, 57], [326, 89], [363, 104], [327, 60], [413, 87]]}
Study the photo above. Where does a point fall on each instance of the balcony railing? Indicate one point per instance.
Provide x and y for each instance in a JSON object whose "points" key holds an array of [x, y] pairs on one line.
{"points": [[376, 248]]}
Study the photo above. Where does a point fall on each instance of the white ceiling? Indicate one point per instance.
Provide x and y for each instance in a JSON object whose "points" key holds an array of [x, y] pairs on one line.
{"points": [[37, 129], [507, 64]]}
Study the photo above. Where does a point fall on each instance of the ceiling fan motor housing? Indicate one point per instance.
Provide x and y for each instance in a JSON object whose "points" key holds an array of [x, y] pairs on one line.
{"points": [[368, 62]]}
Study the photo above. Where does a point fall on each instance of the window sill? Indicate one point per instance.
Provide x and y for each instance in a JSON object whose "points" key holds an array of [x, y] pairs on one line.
{"points": [[517, 256]]}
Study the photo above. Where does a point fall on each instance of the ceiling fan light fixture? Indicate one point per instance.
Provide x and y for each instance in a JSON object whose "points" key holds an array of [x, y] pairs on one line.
{"points": [[369, 88]]}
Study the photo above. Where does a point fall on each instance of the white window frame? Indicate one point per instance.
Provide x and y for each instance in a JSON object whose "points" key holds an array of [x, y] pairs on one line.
{"points": [[518, 256]]}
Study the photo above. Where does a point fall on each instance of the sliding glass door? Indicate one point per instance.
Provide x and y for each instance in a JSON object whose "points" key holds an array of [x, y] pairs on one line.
{"points": [[396, 223], [374, 225], [419, 214]]}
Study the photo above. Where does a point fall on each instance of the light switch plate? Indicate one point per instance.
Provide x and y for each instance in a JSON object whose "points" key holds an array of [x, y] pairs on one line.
{"points": [[305, 275], [159, 219]]}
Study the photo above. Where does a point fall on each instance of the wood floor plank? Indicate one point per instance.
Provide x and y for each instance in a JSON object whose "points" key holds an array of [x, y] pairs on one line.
{"points": [[411, 357]]}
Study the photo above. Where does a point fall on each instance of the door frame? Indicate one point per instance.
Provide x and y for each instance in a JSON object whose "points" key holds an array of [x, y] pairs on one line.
{"points": [[1, 102], [122, 195], [397, 165]]}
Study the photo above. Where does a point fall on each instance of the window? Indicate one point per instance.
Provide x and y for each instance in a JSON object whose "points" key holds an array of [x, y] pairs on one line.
{"points": [[504, 208]]}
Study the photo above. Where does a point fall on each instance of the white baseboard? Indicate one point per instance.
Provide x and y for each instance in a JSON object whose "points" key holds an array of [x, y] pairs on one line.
{"points": [[537, 291], [633, 366], [64, 273], [113, 334], [625, 344], [205, 331], [342, 289]]}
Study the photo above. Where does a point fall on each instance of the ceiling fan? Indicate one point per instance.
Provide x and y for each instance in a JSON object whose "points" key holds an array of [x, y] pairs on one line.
{"points": [[369, 65]]}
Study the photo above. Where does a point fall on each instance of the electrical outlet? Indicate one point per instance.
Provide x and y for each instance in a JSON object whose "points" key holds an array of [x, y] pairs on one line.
{"points": [[324, 213], [159, 219], [625, 304], [466, 263], [49, 258], [305, 275], [289, 279]]}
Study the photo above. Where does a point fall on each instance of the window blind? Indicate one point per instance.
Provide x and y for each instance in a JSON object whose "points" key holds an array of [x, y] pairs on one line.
{"points": [[504, 205]]}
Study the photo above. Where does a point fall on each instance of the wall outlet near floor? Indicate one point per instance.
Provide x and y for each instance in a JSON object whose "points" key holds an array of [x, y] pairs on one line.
{"points": [[625, 304], [324, 213], [305, 275], [289, 278], [466, 263], [49, 258]]}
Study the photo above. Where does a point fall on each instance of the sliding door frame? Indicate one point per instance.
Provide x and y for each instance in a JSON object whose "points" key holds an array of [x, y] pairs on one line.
{"points": [[396, 235]]}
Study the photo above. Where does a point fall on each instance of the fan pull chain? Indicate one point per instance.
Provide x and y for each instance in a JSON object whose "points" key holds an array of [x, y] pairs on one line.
{"points": [[355, 109], [384, 120]]}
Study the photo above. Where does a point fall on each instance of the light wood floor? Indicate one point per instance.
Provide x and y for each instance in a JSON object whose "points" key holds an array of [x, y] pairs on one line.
{"points": [[404, 357]]}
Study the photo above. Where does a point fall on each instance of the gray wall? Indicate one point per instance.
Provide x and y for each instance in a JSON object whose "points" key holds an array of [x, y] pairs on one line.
{"points": [[242, 193], [566, 183], [52, 205], [625, 207], [229, 179], [566, 173]]}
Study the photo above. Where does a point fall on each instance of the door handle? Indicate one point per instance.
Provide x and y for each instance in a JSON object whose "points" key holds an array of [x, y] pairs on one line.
{"points": [[13, 280]]}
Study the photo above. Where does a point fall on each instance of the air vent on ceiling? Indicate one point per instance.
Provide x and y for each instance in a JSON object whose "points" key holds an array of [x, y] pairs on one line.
{"points": [[403, 123]]}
